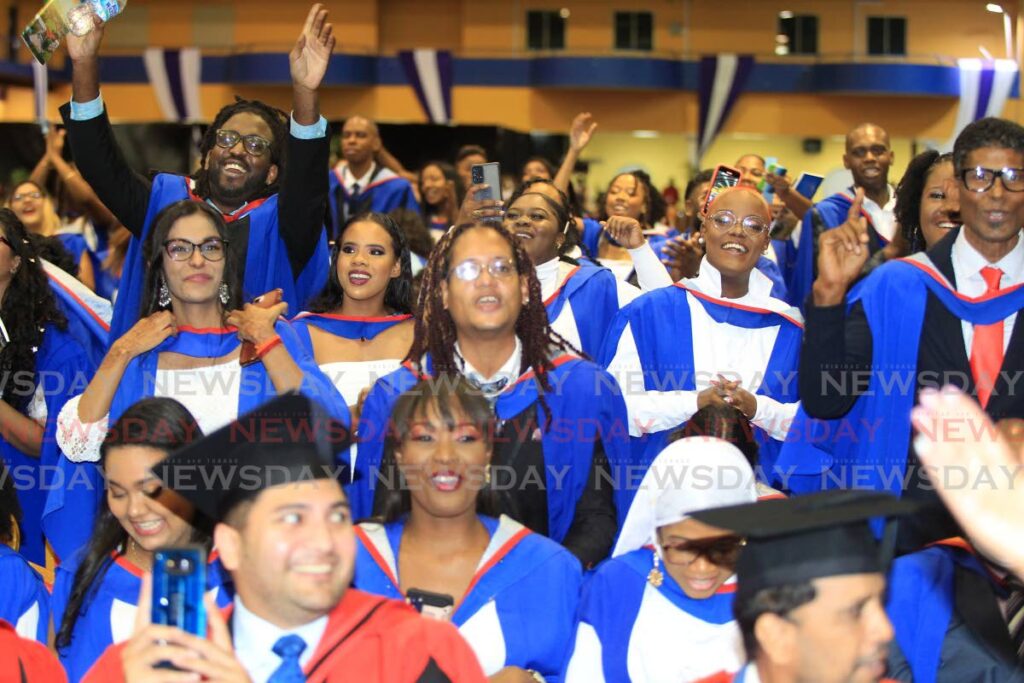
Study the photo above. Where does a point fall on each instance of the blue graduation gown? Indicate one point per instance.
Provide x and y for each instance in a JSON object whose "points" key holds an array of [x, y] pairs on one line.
{"points": [[87, 313], [585, 405], [342, 326], [520, 605], [666, 356], [385, 194], [266, 266], [107, 615], [867, 447], [833, 211], [589, 295], [643, 633], [24, 601], [52, 491]]}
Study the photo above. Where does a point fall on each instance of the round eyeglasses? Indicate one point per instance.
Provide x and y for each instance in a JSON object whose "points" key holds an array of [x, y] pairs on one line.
{"points": [[253, 144], [212, 249], [980, 179], [469, 270], [725, 219]]}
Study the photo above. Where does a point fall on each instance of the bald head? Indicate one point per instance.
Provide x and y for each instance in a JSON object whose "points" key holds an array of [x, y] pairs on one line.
{"points": [[868, 157], [360, 141], [751, 201]]}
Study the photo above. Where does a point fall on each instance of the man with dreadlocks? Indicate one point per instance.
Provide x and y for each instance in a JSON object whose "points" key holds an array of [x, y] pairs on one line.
{"points": [[562, 421], [276, 227]]}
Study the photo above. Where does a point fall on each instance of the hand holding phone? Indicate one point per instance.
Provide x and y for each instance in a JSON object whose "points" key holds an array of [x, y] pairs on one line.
{"points": [[723, 178], [488, 174], [179, 583], [247, 354], [433, 605]]}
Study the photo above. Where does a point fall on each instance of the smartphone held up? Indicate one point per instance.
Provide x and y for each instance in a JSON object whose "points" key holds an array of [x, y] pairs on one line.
{"points": [[179, 583]]}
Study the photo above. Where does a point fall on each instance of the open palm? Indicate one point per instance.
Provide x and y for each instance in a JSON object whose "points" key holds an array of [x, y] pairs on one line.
{"points": [[312, 51]]}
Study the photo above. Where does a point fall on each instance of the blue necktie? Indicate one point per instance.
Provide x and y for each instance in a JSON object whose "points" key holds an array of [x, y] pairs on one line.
{"points": [[288, 648]]}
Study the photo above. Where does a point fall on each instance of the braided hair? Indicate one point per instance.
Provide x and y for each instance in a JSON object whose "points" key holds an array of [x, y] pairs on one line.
{"points": [[273, 117], [435, 332], [27, 308]]}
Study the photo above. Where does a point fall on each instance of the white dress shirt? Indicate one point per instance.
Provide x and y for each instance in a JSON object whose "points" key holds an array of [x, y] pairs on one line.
{"points": [[509, 370], [882, 217], [967, 265], [349, 180], [735, 352], [254, 640]]}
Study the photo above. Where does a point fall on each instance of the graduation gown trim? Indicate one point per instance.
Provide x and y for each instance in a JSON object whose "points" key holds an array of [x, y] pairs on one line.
{"points": [[590, 292], [824, 454], [88, 314], [266, 261], [349, 327], [568, 444]]}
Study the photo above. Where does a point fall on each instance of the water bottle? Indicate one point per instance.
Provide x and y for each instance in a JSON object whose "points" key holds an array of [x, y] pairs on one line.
{"points": [[80, 18]]}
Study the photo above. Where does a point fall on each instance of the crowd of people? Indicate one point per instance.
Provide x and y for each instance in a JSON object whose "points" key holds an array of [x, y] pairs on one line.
{"points": [[424, 431]]}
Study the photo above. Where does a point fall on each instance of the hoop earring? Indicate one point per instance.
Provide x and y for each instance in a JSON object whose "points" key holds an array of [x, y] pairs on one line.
{"points": [[164, 294], [223, 293]]}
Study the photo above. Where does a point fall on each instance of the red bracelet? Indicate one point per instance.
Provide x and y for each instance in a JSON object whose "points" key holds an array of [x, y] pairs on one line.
{"points": [[266, 346]]}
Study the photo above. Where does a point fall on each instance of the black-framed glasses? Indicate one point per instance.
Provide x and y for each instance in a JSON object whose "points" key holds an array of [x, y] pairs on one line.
{"points": [[722, 551], [253, 144], [211, 249], [981, 179], [6, 241], [35, 194], [725, 220], [469, 270]]}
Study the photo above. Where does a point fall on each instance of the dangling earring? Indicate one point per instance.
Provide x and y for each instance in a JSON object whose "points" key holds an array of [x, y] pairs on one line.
{"points": [[655, 577], [223, 293], [164, 294]]}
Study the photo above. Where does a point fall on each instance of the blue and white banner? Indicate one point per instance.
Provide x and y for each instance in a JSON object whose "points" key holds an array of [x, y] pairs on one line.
{"points": [[720, 80], [40, 87], [175, 76], [430, 74], [985, 85]]}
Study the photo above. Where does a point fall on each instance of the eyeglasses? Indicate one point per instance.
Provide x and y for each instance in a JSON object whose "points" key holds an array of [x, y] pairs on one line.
{"points": [[981, 179], [254, 144], [212, 249], [26, 195], [725, 219], [722, 551], [469, 270], [6, 241]]}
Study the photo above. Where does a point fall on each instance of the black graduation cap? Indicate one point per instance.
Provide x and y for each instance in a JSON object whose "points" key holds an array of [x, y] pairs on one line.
{"points": [[286, 440], [794, 540]]}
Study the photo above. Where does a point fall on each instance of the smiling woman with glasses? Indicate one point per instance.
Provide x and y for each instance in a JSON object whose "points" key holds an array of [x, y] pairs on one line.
{"points": [[719, 339], [187, 345], [661, 608], [562, 427]]}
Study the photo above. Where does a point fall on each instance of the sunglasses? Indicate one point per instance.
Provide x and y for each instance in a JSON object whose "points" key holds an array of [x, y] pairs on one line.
{"points": [[212, 249], [722, 551], [253, 144], [469, 270]]}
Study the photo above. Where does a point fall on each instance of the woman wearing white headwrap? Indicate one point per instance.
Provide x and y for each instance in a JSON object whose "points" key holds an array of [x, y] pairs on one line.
{"points": [[661, 608]]}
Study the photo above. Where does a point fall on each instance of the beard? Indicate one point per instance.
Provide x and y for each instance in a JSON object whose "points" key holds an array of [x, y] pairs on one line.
{"points": [[222, 187]]}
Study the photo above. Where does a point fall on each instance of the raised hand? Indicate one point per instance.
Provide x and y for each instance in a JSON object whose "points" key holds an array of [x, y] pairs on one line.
{"points": [[312, 51], [55, 142], [583, 127], [842, 253], [474, 209], [624, 230], [146, 334], [255, 323], [682, 256], [85, 48]]}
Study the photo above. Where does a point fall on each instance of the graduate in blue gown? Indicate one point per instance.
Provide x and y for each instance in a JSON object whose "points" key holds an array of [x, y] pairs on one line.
{"points": [[719, 338], [188, 343], [562, 418], [46, 366], [661, 609], [24, 600], [359, 328], [95, 595], [441, 195], [265, 171], [581, 299], [513, 592]]}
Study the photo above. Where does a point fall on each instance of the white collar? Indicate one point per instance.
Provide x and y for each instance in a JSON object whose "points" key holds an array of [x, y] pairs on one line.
{"points": [[348, 179], [508, 371], [759, 289], [254, 638], [548, 270], [970, 262], [872, 204]]}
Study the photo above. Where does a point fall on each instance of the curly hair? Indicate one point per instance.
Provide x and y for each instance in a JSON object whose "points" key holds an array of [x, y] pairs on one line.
{"points": [[276, 119], [153, 254], [655, 203], [563, 216], [435, 332], [397, 296], [987, 132], [159, 423], [28, 307], [446, 394], [908, 195]]}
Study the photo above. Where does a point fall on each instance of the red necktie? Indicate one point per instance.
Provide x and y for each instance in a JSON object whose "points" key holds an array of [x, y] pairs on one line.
{"points": [[987, 347]]}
